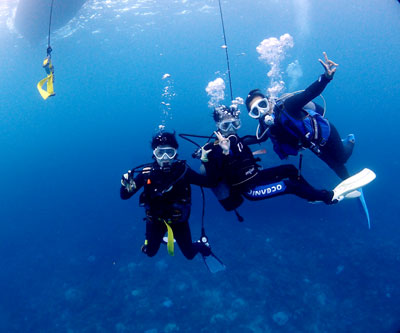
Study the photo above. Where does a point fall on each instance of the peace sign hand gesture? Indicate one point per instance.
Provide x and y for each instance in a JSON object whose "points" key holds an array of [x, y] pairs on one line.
{"points": [[330, 67], [128, 182], [224, 143]]}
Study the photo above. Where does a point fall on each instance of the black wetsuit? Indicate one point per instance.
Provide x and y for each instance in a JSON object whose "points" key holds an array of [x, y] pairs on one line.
{"points": [[167, 197], [238, 176], [333, 152]]}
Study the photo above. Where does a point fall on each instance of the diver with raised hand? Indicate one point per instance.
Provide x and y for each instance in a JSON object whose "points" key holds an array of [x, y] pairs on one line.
{"points": [[293, 122], [229, 162], [166, 198]]}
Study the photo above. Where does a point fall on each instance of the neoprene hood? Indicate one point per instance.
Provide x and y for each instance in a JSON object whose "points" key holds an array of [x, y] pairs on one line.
{"points": [[251, 95], [164, 139]]}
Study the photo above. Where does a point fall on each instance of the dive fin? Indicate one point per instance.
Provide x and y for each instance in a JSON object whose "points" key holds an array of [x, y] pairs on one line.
{"points": [[170, 240], [347, 187], [354, 194], [364, 206], [213, 263], [260, 152]]}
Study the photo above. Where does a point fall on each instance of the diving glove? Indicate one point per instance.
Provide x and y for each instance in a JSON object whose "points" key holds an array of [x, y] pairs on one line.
{"points": [[128, 182]]}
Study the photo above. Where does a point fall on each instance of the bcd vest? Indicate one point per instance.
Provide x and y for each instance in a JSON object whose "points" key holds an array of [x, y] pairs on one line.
{"points": [[291, 134], [241, 164], [166, 196]]}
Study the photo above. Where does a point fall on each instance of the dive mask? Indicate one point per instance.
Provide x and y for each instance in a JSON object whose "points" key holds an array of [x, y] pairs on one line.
{"points": [[259, 108], [164, 153], [227, 125]]}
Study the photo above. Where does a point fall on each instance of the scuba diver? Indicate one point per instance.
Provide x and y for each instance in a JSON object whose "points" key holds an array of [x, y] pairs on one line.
{"points": [[294, 122], [229, 162], [166, 198]]}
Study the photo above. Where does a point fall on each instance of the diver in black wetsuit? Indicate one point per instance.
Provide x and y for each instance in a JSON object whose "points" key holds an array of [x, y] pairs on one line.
{"points": [[166, 197], [230, 162], [294, 122]]}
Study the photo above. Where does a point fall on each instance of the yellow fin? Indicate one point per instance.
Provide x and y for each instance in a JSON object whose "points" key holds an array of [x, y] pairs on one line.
{"points": [[170, 243]]}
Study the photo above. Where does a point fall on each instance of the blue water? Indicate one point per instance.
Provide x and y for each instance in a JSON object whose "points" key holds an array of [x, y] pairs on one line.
{"points": [[70, 247]]}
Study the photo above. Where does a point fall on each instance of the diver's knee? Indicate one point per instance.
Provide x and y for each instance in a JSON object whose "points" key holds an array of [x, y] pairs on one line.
{"points": [[189, 255], [290, 170], [148, 251], [348, 146], [341, 171], [232, 202]]}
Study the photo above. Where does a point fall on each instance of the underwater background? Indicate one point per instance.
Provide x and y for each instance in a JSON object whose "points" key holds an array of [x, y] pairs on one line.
{"points": [[70, 247]]}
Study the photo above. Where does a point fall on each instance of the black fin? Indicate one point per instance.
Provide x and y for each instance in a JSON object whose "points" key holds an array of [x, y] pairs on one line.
{"points": [[239, 217]]}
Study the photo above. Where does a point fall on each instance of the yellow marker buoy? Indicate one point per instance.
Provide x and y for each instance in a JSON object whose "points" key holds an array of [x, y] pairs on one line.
{"points": [[49, 79]]}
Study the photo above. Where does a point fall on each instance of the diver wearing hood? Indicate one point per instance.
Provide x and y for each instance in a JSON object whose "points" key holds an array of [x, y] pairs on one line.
{"points": [[166, 198], [294, 122], [230, 162]]}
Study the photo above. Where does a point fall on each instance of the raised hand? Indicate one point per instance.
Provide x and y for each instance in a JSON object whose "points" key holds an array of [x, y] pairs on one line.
{"points": [[204, 154], [329, 66], [223, 142], [128, 182]]}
